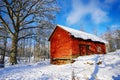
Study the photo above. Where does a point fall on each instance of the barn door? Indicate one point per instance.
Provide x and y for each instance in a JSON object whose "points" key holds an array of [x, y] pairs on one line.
{"points": [[83, 49]]}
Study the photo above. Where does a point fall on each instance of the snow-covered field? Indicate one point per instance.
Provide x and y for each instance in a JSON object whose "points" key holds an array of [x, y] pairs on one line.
{"points": [[93, 67]]}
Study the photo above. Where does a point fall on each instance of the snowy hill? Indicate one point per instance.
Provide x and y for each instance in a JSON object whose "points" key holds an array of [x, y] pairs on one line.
{"points": [[93, 67]]}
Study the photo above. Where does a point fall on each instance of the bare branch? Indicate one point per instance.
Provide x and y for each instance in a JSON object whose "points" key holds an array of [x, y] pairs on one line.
{"points": [[29, 11], [26, 36], [4, 49], [25, 23], [6, 25], [9, 13]]}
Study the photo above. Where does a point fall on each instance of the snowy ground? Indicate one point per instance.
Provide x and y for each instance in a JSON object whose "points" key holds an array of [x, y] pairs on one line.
{"points": [[85, 68]]}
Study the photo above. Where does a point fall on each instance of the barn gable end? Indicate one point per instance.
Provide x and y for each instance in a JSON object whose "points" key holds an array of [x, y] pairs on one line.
{"points": [[60, 45]]}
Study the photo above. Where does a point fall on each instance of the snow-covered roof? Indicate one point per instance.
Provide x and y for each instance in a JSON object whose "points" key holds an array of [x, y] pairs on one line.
{"points": [[83, 35]]}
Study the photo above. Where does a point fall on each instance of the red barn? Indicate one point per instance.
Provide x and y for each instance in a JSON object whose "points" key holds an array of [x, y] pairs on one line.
{"points": [[67, 43]]}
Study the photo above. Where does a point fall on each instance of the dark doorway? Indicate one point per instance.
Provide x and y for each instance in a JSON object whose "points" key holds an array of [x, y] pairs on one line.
{"points": [[83, 49]]}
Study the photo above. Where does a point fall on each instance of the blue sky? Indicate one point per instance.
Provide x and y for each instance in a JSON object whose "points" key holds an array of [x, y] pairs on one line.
{"points": [[89, 15]]}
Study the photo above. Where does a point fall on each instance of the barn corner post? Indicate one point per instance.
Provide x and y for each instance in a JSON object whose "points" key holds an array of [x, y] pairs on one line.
{"points": [[49, 46]]}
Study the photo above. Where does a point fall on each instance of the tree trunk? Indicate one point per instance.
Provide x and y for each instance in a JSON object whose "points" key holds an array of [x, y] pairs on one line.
{"points": [[3, 53], [4, 50], [13, 54]]}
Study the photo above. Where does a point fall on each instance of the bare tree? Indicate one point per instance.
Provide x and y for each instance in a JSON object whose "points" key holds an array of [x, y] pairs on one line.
{"points": [[3, 37], [113, 37], [20, 15]]}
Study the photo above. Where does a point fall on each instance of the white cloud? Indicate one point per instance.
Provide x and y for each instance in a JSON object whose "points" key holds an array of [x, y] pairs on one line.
{"points": [[76, 13], [80, 10], [99, 16]]}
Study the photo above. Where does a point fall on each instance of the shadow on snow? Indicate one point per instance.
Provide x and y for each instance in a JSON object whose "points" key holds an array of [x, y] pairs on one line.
{"points": [[93, 75], [116, 78]]}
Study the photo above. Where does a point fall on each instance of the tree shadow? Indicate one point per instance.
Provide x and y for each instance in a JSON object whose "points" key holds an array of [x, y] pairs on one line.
{"points": [[93, 75], [22, 68], [116, 78]]}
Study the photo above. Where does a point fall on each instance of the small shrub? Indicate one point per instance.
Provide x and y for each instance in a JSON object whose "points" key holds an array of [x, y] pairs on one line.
{"points": [[100, 62], [90, 63]]}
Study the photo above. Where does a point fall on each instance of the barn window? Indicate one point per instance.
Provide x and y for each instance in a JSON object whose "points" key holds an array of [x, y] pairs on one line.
{"points": [[87, 49], [98, 49]]}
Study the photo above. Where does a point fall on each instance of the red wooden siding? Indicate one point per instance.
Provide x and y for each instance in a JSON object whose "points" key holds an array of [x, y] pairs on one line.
{"points": [[87, 47], [60, 44]]}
